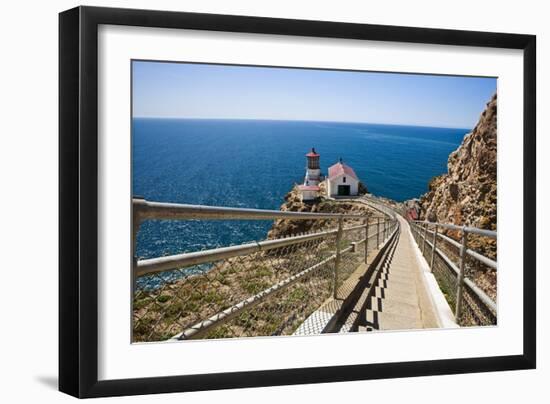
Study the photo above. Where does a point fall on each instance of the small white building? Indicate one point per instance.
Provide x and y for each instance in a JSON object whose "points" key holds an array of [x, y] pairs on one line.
{"points": [[309, 190], [342, 180]]}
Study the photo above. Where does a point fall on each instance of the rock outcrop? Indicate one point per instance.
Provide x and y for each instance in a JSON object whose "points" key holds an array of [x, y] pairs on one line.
{"points": [[467, 194], [285, 228]]}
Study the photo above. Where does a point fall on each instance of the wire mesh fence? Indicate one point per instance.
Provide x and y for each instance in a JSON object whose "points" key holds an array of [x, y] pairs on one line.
{"points": [[477, 300], [259, 289], [165, 305], [474, 310]]}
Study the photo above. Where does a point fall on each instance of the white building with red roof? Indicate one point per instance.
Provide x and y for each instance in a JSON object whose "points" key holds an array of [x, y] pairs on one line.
{"points": [[342, 180]]}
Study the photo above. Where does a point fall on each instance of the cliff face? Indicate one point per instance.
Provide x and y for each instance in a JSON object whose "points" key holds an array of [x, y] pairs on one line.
{"points": [[285, 228], [467, 194]]}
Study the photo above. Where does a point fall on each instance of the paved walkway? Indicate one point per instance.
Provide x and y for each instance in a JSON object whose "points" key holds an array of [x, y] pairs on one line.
{"points": [[398, 299], [401, 300]]}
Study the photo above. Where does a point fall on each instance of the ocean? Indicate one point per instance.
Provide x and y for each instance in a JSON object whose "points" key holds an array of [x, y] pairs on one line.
{"points": [[254, 163]]}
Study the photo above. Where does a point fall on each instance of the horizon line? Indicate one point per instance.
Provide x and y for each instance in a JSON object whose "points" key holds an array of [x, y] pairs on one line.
{"points": [[299, 120]]}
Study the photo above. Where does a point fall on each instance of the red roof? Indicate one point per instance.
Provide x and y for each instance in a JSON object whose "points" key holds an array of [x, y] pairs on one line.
{"points": [[308, 188], [312, 153], [339, 169]]}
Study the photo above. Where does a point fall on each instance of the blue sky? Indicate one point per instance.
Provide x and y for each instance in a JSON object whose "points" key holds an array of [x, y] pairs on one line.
{"points": [[183, 90]]}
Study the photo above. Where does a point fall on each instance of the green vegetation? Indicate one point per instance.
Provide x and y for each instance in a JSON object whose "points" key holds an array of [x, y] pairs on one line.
{"points": [[176, 305], [161, 314], [163, 298]]}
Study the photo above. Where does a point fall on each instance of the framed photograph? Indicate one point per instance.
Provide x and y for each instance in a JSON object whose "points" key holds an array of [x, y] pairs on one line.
{"points": [[251, 201]]}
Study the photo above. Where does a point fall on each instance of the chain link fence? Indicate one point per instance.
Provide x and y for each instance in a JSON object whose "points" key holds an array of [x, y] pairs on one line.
{"points": [[262, 288], [167, 303], [478, 305]]}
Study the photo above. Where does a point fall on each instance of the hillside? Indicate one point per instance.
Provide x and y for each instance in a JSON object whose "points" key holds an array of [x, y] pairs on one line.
{"points": [[467, 194]]}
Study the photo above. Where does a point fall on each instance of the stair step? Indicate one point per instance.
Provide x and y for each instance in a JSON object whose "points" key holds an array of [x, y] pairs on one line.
{"points": [[401, 271], [401, 295], [402, 268], [394, 304], [395, 283], [391, 321], [398, 279], [395, 321], [395, 307], [397, 286]]}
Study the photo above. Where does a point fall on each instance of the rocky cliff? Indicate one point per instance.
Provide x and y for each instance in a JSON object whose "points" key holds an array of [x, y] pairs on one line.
{"points": [[285, 228], [467, 194]]}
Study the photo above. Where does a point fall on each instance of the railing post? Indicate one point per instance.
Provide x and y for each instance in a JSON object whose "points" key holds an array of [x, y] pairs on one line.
{"points": [[460, 285], [366, 238], [377, 232], [425, 237], [136, 223], [433, 248], [337, 259]]}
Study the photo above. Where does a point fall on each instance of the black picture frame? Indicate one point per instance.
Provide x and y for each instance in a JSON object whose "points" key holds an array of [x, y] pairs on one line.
{"points": [[78, 201]]}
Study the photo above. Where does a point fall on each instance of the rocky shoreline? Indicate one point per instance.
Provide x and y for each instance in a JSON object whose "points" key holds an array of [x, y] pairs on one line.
{"points": [[293, 203]]}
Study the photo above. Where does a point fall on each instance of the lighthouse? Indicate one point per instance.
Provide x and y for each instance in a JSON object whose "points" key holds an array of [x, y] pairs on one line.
{"points": [[309, 190], [313, 170]]}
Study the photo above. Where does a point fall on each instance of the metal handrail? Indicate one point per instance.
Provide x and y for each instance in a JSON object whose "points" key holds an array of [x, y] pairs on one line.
{"points": [[467, 229], [464, 250], [475, 289], [144, 209], [472, 253], [202, 327], [378, 205], [155, 265]]}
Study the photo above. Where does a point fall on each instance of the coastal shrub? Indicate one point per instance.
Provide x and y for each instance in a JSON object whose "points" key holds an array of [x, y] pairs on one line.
{"points": [[163, 298]]}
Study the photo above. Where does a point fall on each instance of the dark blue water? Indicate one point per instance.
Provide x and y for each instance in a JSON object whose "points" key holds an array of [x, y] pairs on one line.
{"points": [[245, 163]]}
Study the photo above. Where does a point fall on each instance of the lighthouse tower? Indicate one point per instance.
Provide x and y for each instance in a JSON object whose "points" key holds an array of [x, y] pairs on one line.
{"points": [[309, 190], [313, 170]]}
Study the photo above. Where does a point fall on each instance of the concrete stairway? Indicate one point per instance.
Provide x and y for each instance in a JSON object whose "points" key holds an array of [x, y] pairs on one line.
{"points": [[388, 294], [395, 303]]}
